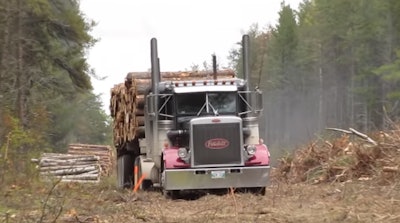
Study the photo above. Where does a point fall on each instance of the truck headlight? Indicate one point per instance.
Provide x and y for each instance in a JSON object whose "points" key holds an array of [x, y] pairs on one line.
{"points": [[182, 153], [251, 150]]}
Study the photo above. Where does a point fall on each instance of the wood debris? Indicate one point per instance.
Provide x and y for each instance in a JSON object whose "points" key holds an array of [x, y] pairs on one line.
{"points": [[345, 158]]}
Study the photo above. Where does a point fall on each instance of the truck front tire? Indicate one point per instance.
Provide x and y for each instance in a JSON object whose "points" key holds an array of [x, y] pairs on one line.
{"points": [[145, 184]]}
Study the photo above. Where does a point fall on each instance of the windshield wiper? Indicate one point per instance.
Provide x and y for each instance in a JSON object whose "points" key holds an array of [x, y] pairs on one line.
{"points": [[201, 109], [215, 111]]}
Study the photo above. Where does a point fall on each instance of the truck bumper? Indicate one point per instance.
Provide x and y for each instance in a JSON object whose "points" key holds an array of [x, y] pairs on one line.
{"points": [[214, 178]]}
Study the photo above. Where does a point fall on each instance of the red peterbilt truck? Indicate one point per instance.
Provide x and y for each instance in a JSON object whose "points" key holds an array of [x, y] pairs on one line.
{"points": [[200, 132]]}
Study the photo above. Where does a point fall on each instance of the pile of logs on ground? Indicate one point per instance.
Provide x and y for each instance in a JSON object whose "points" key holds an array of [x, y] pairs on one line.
{"points": [[69, 168], [127, 99], [102, 151]]}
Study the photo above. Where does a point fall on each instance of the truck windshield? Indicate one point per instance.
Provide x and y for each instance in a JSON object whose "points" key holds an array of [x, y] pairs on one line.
{"points": [[224, 102], [190, 103], [196, 103]]}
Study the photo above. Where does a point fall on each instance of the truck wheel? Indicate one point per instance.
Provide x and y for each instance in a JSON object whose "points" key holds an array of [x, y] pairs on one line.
{"points": [[125, 170], [146, 184], [171, 194]]}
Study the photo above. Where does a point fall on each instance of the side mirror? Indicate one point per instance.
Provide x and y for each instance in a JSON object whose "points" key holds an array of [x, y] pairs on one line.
{"points": [[150, 108], [258, 101]]}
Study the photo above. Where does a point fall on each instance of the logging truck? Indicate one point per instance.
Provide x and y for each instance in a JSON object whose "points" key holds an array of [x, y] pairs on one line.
{"points": [[189, 130]]}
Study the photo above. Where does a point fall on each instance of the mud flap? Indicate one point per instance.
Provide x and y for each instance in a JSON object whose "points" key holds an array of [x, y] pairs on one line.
{"points": [[125, 165]]}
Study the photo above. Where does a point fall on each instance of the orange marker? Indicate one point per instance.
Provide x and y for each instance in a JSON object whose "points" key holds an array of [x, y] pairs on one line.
{"points": [[135, 174], [139, 183]]}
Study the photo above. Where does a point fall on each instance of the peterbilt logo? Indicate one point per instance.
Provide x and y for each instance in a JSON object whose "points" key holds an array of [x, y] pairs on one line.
{"points": [[217, 143]]}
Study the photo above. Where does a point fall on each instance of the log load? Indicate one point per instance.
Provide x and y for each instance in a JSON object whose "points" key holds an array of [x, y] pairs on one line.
{"points": [[102, 151], [127, 100], [123, 110], [143, 79], [69, 168]]}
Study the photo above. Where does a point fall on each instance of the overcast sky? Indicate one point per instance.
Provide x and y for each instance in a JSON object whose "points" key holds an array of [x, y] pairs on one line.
{"points": [[188, 32]]}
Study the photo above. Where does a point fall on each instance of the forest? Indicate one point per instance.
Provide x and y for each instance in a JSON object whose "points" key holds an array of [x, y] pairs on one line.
{"points": [[327, 64], [324, 64], [46, 98]]}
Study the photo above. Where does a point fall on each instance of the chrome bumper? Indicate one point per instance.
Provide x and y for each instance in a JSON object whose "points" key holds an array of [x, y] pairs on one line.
{"points": [[213, 178]]}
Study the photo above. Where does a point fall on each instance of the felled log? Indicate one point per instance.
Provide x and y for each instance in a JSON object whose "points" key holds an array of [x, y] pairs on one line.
{"points": [[339, 130], [355, 132], [90, 146], [364, 136], [123, 104], [56, 166], [139, 101], [68, 160], [71, 171], [65, 156], [80, 181], [69, 167], [183, 75], [143, 79], [79, 177], [102, 151], [122, 98]]}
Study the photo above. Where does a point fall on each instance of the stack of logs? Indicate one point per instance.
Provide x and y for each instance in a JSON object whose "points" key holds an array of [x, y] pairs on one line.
{"points": [[102, 151], [127, 99], [123, 106], [69, 168]]}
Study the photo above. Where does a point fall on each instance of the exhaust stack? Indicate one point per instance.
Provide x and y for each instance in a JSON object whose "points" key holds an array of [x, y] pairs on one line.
{"points": [[214, 64], [246, 64], [155, 80], [155, 67]]}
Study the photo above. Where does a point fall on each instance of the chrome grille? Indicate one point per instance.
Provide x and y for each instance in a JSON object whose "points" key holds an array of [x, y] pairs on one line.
{"points": [[216, 144]]}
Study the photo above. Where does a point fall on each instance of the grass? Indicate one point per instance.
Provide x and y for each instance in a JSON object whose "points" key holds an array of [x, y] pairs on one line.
{"points": [[359, 201]]}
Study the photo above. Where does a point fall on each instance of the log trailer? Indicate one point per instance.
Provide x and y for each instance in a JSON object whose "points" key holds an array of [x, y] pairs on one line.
{"points": [[189, 130]]}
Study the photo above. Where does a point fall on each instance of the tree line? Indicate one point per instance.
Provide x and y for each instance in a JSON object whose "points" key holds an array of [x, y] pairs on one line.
{"points": [[327, 64], [46, 98]]}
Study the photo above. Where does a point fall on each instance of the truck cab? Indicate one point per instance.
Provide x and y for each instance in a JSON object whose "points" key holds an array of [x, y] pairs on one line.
{"points": [[202, 133]]}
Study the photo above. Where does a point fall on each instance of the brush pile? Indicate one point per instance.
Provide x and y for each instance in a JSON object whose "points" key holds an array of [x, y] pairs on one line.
{"points": [[69, 168], [128, 99], [349, 157]]}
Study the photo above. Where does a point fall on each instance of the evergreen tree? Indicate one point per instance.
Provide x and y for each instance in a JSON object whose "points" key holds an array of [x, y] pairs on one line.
{"points": [[331, 63], [44, 76]]}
